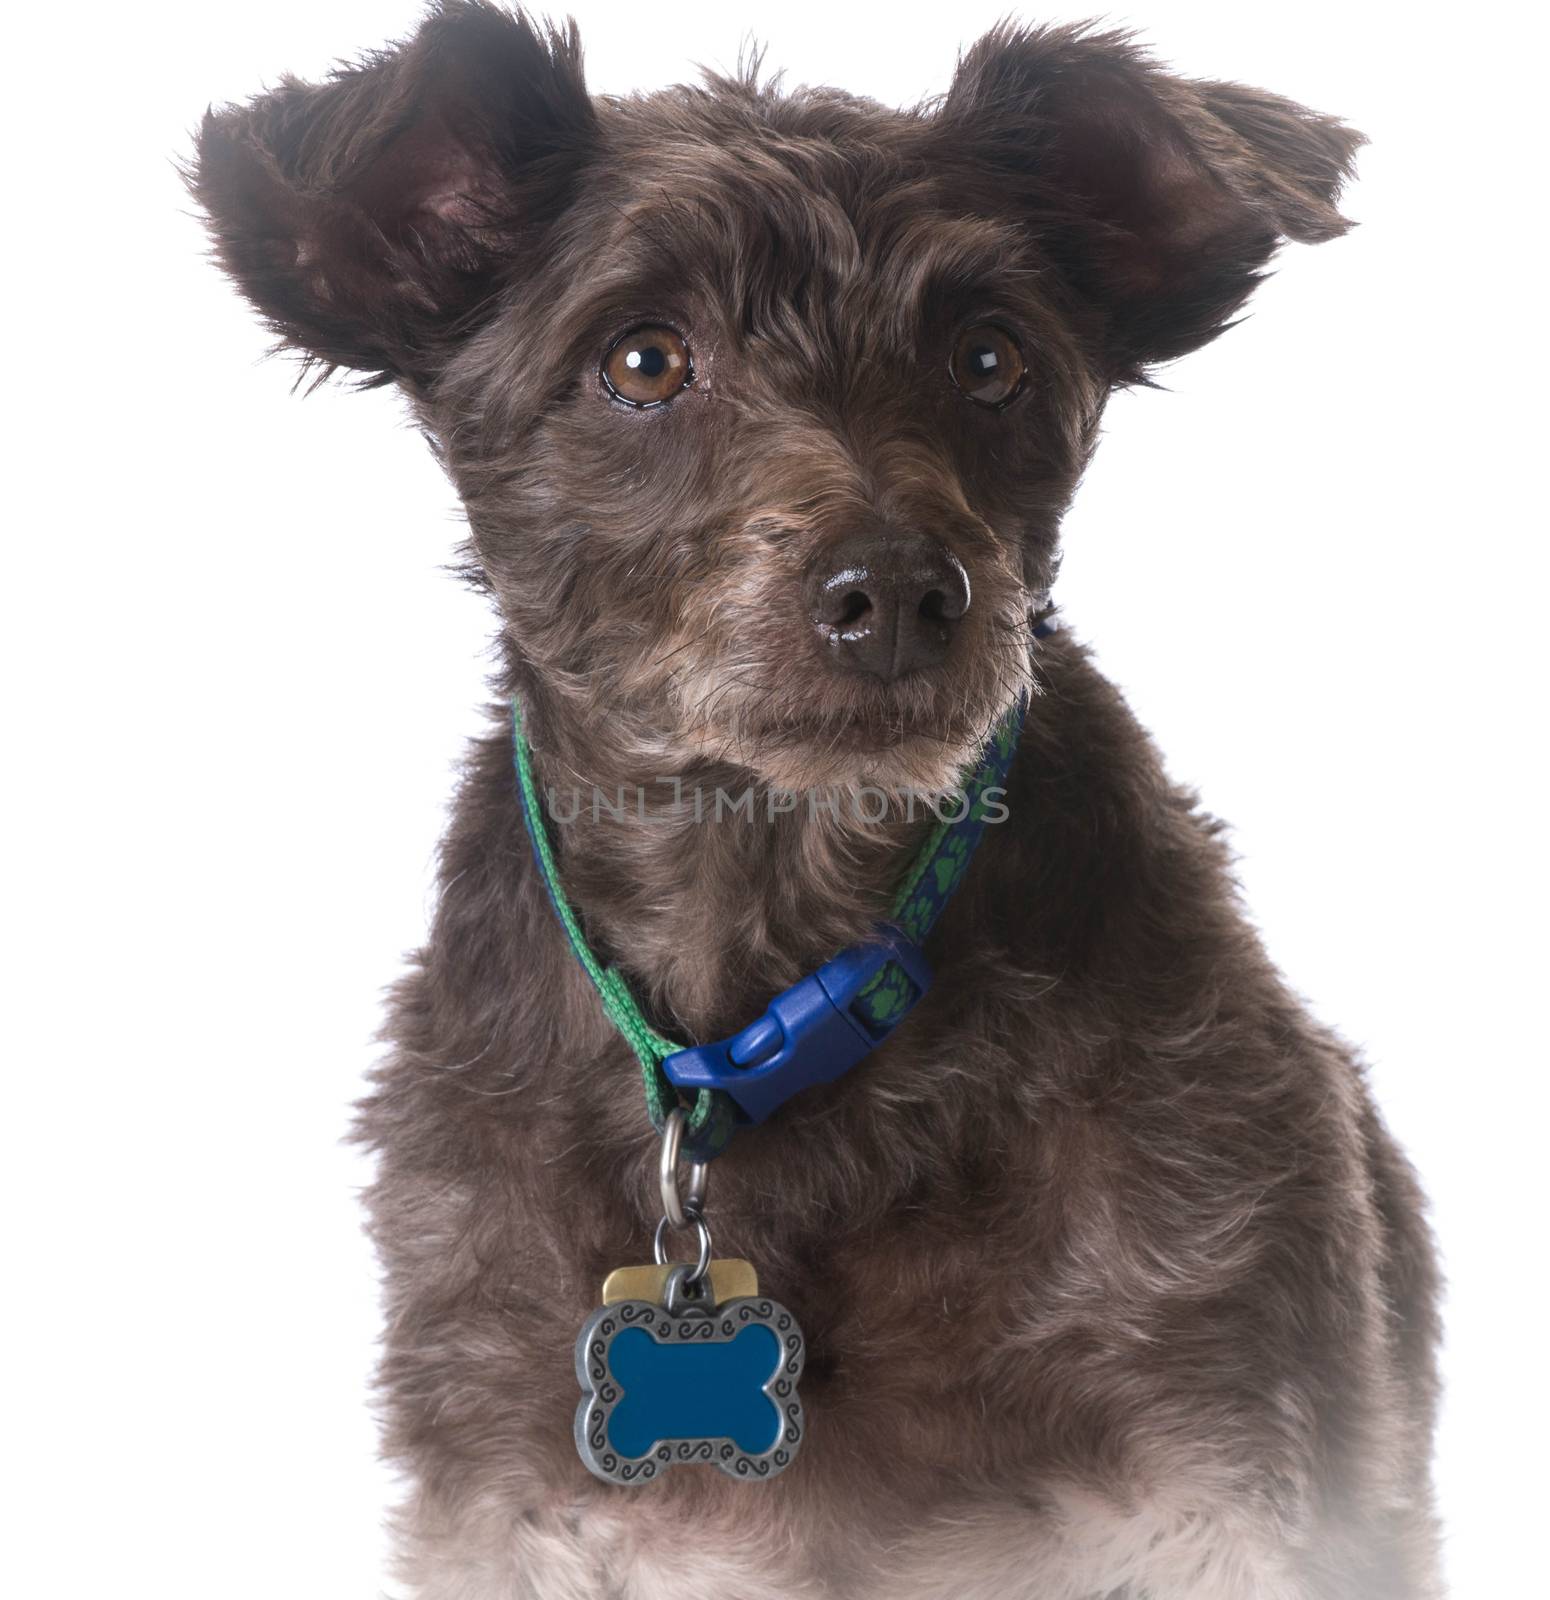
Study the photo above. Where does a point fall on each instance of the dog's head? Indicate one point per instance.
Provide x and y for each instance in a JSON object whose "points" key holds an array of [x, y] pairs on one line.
{"points": [[764, 407]]}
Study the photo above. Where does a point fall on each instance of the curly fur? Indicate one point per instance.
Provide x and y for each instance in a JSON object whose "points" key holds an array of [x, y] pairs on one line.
{"points": [[1113, 1281]]}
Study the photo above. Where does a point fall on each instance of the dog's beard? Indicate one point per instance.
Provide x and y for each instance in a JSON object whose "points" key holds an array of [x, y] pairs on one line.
{"points": [[813, 730], [740, 679]]}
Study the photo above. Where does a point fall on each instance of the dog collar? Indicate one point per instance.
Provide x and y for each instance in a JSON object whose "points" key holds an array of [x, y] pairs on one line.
{"points": [[825, 1024]]}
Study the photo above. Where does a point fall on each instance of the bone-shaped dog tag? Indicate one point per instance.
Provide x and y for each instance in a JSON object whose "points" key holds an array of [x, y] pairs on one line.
{"points": [[673, 1381]]}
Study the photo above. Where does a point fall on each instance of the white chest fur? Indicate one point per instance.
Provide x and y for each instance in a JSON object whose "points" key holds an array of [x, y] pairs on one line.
{"points": [[1075, 1545]]}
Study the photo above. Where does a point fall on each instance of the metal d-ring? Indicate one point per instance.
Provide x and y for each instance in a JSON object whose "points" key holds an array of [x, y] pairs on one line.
{"points": [[695, 1274], [680, 1213]]}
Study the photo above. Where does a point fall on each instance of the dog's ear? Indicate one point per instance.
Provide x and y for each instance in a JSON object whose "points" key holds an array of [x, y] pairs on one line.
{"points": [[1159, 199], [371, 218]]}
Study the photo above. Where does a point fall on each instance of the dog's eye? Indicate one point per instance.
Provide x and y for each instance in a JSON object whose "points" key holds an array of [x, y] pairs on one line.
{"points": [[647, 366], [987, 365]]}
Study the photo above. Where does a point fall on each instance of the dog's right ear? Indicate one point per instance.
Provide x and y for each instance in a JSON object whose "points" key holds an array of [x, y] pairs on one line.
{"points": [[372, 218]]}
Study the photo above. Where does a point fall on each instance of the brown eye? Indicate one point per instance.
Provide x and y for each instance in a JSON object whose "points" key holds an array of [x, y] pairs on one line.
{"points": [[987, 365], [647, 366]]}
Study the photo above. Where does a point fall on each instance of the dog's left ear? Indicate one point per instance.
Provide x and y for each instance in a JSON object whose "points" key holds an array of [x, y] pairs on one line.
{"points": [[372, 218], [1159, 199]]}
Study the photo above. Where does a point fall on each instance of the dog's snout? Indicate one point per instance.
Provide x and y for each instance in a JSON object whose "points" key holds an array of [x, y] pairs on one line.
{"points": [[887, 603]]}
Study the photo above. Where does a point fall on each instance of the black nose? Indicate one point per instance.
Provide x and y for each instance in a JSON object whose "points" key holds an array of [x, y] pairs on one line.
{"points": [[886, 602]]}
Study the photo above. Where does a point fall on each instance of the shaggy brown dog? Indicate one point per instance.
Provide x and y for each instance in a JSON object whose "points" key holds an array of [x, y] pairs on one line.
{"points": [[765, 408]]}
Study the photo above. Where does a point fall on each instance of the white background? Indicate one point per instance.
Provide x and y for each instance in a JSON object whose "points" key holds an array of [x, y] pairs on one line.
{"points": [[237, 682]]}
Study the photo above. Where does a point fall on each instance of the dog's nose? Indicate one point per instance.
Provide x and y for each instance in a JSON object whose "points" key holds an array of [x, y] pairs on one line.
{"points": [[887, 603]]}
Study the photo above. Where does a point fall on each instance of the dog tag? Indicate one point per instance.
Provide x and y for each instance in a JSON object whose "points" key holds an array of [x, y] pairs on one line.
{"points": [[676, 1380], [729, 1280]]}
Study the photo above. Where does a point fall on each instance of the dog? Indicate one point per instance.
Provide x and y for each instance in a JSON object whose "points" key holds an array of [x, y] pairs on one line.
{"points": [[765, 407]]}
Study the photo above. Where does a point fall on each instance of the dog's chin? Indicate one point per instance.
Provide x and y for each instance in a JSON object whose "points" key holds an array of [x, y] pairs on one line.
{"points": [[892, 750], [913, 764]]}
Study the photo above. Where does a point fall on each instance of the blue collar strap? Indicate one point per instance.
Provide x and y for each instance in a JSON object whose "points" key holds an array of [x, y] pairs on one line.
{"points": [[823, 1025]]}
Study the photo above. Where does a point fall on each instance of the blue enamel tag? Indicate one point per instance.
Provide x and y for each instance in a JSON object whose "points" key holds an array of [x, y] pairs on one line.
{"points": [[693, 1384]]}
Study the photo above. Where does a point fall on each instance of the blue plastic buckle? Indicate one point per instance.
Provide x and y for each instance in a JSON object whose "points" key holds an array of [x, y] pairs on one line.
{"points": [[808, 1035]]}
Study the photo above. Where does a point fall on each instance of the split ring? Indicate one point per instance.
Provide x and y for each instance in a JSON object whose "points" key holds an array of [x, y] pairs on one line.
{"points": [[702, 1264], [680, 1212]]}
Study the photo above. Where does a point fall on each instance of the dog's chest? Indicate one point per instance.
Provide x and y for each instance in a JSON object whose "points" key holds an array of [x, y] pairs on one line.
{"points": [[920, 1401], [829, 1538], [962, 1378]]}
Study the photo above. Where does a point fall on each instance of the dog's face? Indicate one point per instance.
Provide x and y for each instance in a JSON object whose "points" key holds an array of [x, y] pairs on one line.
{"points": [[779, 439], [764, 408]]}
